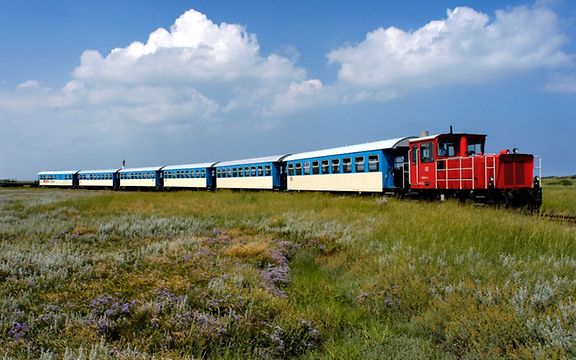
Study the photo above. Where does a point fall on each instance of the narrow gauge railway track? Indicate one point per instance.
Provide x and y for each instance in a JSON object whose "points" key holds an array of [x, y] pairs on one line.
{"points": [[571, 219]]}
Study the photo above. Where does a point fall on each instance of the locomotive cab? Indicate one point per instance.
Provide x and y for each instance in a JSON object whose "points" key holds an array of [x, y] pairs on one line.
{"points": [[445, 161]]}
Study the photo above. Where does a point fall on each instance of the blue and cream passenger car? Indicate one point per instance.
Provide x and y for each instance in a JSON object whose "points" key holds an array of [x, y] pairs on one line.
{"points": [[189, 176], [104, 178], [365, 167], [257, 173], [58, 178], [142, 177]]}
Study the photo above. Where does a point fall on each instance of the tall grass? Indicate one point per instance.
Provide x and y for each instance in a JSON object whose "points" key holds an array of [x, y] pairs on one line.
{"points": [[279, 275], [559, 196]]}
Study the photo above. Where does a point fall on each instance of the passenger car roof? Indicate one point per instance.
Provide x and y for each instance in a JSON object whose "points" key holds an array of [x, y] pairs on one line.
{"points": [[65, 172], [189, 166], [376, 145], [273, 158], [151, 168]]}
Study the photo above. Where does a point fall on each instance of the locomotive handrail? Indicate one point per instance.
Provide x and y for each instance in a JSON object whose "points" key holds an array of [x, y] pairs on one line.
{"points": [[539, 168], [409, 162], [460, 169], [446, 170], [486, 167]]}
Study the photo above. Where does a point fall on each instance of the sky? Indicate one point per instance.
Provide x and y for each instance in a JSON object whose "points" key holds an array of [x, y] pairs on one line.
{"points": [[87, 84]]}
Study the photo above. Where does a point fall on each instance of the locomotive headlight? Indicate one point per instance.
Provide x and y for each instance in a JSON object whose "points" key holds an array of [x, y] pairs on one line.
{"points": [[491, 181], [537, 181]]}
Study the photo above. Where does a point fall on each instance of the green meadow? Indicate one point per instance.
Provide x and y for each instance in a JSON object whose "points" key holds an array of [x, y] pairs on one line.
{"points": [[560, 196], [269, 275]]}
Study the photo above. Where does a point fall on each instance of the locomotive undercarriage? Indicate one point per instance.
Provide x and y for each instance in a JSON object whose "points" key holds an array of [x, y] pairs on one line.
{"points": [[509, 198]]}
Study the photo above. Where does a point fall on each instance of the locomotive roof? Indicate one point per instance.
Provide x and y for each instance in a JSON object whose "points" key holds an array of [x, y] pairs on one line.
{"points": [[66, 172], [98, 171], [189, 166], [431, 137], [273, 158], [151, 168], [376, 145]]}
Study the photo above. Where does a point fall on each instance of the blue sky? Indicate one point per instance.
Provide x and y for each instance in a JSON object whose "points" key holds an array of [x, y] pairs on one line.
{"points": [[85, 84]]}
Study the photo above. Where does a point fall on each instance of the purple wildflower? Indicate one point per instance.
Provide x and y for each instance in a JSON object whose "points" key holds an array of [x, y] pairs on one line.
{"points": [[52, 316], [276, 336], [209, 324], [277, 275], [18, 330], [166, 300]]}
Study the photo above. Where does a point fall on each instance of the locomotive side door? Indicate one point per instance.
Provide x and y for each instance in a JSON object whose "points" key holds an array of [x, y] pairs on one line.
{"points": [[422, 165]]}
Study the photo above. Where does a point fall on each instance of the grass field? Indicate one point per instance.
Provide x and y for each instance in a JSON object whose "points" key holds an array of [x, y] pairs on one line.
{"points": [[100, 274], [560, 196]]}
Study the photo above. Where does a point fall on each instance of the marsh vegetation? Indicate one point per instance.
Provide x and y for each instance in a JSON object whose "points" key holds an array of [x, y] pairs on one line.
{"points": [[100, 274]]}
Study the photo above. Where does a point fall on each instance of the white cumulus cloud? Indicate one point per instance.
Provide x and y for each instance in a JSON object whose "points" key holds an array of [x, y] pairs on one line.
{"points": [[465, 47], [195, 50]]}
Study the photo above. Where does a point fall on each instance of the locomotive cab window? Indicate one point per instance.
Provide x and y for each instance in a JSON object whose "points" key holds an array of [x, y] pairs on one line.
{"points": [[427, 152], [474, 147], [446, 149], [414, 155]]}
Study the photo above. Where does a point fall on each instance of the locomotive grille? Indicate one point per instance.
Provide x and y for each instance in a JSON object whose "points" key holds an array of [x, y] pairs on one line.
{"points": [[508, 173], [519, 173], [514, 173]]}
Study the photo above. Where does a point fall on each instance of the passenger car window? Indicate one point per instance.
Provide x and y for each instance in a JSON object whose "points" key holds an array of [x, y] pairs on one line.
{"points": [[359, 163], [307, 168], [347, 165], [325, 167], [315, 167], [373, 163], [335, 166]]}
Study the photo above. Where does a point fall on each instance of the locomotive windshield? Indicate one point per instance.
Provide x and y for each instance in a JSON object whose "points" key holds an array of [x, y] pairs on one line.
{"points": [[475, 146], [446, 149]]}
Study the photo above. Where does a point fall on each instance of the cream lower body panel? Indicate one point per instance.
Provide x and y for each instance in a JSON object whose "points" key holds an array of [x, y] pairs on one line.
{"points": [[185, 183], [358, 182], [138, 182], [257, 182], [55, 183], [96, 183]]}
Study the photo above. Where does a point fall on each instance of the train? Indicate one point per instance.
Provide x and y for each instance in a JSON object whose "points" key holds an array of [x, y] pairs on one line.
{"points": [[445, 165]]}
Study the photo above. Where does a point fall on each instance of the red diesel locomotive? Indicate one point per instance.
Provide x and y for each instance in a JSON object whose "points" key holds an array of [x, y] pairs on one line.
{"points": [[456, 165]]}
